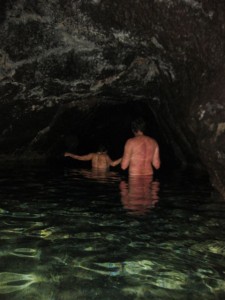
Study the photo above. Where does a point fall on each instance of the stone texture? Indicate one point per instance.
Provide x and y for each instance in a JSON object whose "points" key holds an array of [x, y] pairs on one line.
{"points": [[208, 124], [76, 72]]}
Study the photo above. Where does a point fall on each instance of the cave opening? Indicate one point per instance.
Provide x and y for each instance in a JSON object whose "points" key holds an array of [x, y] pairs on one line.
{"points": [[82, 131]]}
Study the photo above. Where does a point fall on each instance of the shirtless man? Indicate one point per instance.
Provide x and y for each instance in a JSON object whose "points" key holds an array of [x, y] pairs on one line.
{"points": [[141, 153], [99, 160]]}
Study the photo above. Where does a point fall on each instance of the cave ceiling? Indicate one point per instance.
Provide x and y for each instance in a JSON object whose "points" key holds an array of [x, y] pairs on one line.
{"points": [[86, 68]]}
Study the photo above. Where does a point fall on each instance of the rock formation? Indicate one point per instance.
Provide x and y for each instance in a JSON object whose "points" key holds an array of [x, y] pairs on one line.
{"points": [[75, 72]]}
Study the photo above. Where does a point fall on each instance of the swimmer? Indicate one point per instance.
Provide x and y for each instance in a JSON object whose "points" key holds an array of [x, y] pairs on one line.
{"points": [[99, 160], [141, 153]]}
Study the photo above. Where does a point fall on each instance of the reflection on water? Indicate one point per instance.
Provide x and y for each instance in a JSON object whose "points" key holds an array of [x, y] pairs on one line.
{"points": [[99, 175], [70, 234], [140, 194], [9, 282]]}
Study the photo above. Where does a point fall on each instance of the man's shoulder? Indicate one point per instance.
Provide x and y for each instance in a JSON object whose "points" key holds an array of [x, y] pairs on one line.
{"points": [[131, 140], [150, 138], [151, 141]]}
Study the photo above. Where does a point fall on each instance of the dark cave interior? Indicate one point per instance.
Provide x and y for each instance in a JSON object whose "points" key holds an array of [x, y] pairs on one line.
{"points": [[82, 132], [74, 74]]}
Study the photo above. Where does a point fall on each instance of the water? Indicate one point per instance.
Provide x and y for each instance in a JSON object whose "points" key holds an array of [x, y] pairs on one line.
{"points": [[70, 234]]}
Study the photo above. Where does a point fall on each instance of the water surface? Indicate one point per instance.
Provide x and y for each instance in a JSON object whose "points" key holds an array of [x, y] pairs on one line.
{"points": [[70, 234]]}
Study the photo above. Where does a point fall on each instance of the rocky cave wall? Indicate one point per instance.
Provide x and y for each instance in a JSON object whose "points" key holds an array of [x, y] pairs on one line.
{"points": [[85, 68]]}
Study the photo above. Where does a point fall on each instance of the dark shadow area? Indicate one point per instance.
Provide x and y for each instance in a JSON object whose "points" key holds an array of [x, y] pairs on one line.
{"points": [[2, 11], [82, 132]]}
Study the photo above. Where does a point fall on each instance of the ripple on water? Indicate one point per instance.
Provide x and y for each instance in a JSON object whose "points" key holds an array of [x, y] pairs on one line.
{"points": [[26, 252], [13, 282], [75, 230]]}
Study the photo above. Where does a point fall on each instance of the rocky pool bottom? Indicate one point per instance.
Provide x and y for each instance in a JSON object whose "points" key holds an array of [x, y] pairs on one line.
{"points": [[70, 234]]}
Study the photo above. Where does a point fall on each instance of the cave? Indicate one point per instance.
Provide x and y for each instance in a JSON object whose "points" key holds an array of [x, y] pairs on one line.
{"points": [[109, 124], [73, 74]]}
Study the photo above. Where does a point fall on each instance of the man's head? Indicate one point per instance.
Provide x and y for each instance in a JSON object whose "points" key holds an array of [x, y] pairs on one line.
{"points": [[138, 125], [102, 148]]}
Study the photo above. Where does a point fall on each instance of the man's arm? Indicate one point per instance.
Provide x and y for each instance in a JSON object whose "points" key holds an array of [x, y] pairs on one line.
{"points": [[79, 157], [156, 159], [126, 155], [114, 163]]}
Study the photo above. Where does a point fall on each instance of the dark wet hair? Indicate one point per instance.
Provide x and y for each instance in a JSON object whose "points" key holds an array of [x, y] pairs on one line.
{"points": [[102, 148], [138, 124]]}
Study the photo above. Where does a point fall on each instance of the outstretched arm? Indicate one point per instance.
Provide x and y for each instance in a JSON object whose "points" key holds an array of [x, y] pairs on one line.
{"points": [[79, 157], [114, 163]]}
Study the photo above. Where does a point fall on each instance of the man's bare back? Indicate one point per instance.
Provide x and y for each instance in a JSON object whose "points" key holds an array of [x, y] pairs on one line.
{"points": [[141, 154]]}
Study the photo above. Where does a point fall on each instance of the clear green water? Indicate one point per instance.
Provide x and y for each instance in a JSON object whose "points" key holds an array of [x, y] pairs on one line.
{"points": [[69, 234]]}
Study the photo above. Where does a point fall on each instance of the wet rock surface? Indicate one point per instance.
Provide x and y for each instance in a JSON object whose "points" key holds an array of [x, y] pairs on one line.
{"points": [[208, 121], [74, 73]]}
